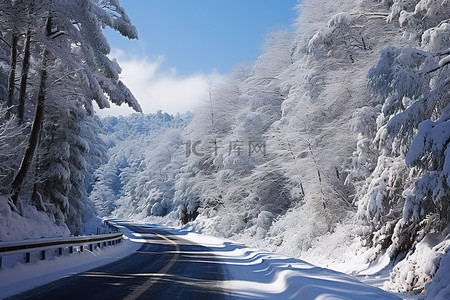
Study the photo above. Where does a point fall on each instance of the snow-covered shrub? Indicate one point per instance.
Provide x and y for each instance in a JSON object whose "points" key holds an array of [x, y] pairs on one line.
{"points": [[439, 287], [420, 266]]}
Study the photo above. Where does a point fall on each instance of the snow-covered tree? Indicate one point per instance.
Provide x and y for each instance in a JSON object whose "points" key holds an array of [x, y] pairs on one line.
{"points": [[145, 155], [11, 147], [406, 196], [58, 49], [412, 84]]}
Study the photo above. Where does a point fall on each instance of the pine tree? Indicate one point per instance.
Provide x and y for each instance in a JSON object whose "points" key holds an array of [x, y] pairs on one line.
{"points": [[72, 54]]}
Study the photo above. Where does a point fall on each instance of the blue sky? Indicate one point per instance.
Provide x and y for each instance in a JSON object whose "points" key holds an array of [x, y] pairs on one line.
{"points": [[190, 44]]}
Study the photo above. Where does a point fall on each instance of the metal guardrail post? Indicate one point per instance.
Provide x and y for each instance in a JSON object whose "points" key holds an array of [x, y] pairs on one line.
{"points": [[27, 257], [43, 255]]}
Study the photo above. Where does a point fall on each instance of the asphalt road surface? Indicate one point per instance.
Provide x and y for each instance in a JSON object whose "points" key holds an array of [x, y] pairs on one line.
{"points": [[165, 267]]}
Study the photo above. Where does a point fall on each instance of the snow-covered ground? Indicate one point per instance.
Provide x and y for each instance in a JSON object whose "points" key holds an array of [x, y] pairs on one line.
{"points": [[260, 274], [253, 273]]}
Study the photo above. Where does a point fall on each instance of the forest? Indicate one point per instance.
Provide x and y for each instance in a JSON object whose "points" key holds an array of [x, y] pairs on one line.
{"points": [[53, 65], [333, 146]]}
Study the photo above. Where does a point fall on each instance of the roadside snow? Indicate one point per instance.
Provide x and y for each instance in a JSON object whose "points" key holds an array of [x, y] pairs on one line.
{"points": [[260, 274], [30, 225]]}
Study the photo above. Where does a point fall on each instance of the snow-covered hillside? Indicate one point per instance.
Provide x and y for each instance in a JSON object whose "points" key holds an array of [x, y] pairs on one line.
{"points": [[145, 153]]}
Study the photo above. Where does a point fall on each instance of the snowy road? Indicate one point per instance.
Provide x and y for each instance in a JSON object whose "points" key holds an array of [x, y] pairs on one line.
{"points": [[165, 267], [181, 264]]}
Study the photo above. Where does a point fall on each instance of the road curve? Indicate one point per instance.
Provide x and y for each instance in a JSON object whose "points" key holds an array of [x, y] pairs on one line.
{"points": [[165, 267]]}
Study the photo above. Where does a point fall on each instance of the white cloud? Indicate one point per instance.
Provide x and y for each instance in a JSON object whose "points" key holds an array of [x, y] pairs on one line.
{"points": [[157, 90]]}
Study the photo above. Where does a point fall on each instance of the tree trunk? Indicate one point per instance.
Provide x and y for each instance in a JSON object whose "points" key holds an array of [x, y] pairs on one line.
{"points": [[12, 73], [37, 123], [24, 76], [35, 131], [36, 198]]}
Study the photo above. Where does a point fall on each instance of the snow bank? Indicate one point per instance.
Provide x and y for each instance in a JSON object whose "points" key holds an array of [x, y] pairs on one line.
{"points": [[439, 287], [32, 224], [420, 266], [260, 274]]}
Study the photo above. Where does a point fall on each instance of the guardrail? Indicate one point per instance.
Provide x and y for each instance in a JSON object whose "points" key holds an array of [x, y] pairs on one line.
{"points": [[59, 245]]}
